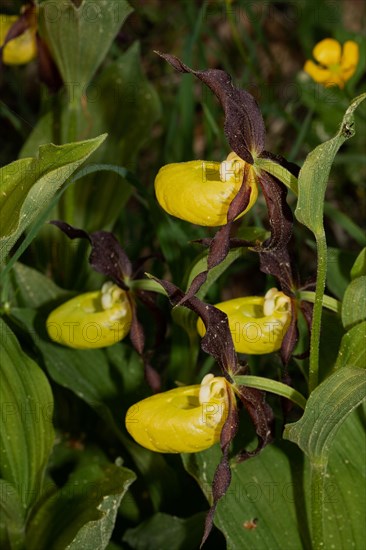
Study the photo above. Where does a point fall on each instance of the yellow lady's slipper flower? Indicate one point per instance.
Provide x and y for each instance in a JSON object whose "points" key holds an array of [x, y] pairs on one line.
{"points": [[188, 419], [201, 191], [257, 324], [21, 49], [92, 320], [335, 66]]}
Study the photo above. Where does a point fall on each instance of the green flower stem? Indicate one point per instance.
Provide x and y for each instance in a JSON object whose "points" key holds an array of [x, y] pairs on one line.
{"points": [[317, 499], [147, 284], [328, 302], [321, 244], [272, 386], [279, 172]]}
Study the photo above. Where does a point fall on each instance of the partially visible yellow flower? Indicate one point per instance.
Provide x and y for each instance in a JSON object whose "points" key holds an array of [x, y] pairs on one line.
{"points": [[201, 191], [257, 324], [21, 49], [188, 419], [92, 320], [335, 66]]}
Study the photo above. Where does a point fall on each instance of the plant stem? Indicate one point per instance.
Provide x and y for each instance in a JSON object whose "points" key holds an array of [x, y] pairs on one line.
{"points": [[317, 488], [321, 245]]}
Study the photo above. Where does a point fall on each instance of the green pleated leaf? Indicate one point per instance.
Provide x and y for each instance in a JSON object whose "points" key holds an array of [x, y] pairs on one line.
{"points": [[81, 514], [325, 411], [32, 288], [28, 185], [267, 504], [345, 495], [166, 533], [262, 491], [353, 348], [100, 378], [27, 433], [313, 177], [101, 197], [354, 302], [79, 37]]}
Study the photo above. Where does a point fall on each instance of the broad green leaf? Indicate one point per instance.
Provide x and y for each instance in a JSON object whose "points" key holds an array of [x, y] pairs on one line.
{"points": [[28, 185], [27, 433], [273, 489], [86, 373], [32, 288], [82, 513], [263, 489], [123, 103], [166, 533], [354, 303], [79, 37], [326, 409], [353, 348], [315, 171], [359, 267], [345, 495], [101, 378]]}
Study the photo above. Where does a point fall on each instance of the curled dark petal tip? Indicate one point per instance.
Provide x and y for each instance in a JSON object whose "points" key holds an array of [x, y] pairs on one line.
{"points": [[244, 125]]}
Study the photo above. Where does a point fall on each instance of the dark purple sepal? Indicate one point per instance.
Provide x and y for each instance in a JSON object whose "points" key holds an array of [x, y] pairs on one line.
{"points": [[244, 126], [274, 254], [222, 476], [291, 337], [107, 256], [217, 341], [307, 311], [149, 300], [262, 417], [137, 337]]}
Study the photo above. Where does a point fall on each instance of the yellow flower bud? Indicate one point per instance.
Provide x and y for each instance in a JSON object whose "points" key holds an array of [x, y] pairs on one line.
{"points": [[257, 324], [188, 419], [21, 49], [201, 191], [92, 320]]}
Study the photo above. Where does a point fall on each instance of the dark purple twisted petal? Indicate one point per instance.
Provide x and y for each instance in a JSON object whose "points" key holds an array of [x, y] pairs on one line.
{"points": [[222, 476], [262, 417], [107, 256], [291, 337], [274, 254], [244, 125]]}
